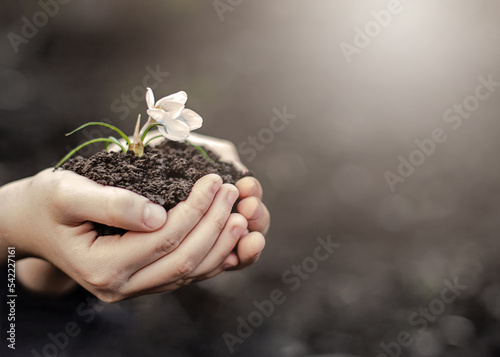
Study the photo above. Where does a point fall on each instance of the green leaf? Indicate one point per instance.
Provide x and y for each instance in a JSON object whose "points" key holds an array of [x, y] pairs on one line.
{"points": [[72, 152], [113, 140], [154, 137], [112, 127], [147, 131], [201, 151]]}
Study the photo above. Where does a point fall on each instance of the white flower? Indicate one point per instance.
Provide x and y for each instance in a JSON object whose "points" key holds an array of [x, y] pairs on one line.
{"points": [[169, 111]]}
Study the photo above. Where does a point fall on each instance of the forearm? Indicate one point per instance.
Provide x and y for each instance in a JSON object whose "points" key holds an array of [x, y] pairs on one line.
{"points": [[9, 222]]}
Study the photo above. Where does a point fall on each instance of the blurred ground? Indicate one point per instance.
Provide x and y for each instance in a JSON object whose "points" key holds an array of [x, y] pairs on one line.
{"points": [[361, 86]]}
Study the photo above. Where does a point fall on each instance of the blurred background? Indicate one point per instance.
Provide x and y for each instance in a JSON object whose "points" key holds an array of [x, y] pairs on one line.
{"points": [[384, 138]]}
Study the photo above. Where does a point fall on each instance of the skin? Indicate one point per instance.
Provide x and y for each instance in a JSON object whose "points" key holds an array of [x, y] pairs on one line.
{"points": [[48, 216]]}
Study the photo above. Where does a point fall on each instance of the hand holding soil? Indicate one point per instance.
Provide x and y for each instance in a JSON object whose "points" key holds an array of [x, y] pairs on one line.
{"points": [[50, 214]]}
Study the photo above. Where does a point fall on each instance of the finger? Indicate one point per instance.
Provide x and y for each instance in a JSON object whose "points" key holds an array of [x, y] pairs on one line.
{"points": [[231, 260], [229, 263], [235, 226], [135, 250], [249, 186], [256, 213], [249, 249], [85, 200], [174, 270], [225, 149]]}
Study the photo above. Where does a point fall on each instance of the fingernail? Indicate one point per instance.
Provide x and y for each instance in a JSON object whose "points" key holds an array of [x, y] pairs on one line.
{"points": [[227, 266], [237, 232], [154, 215], [255, 189], [217, 184], [232, 196], [257, 213]]}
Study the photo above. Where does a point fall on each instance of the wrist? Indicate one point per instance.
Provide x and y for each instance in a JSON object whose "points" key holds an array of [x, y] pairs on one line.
{"points": [[12, 220]]}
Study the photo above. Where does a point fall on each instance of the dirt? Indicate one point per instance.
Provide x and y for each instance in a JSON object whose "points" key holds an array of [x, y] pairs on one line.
{"points": [[164, 174]]}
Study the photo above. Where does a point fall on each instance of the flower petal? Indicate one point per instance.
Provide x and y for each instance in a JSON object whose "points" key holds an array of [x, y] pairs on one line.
{"points": [[158, 115], [191, 118], [175, 130], [150, 98], [179, 97], [171, 107]]}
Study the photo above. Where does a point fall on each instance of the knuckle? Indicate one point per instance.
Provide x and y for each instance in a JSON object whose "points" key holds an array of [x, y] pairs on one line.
{"points": [[218, 219], [202, 198], [220, 222], [185, 268], [168, 245], [60, 192], [200, 202], [60, 184], [183, 282], [108, 282]]}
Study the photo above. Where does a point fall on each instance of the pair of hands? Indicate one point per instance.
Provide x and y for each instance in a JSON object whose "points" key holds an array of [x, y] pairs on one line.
{"points": [[48, 216]]}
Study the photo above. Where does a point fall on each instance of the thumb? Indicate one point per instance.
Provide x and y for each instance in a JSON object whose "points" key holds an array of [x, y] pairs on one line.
{"points": [[85, 200]]}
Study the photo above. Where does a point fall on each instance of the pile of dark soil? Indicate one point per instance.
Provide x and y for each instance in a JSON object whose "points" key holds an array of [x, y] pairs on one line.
{"points": [[164, 174]]}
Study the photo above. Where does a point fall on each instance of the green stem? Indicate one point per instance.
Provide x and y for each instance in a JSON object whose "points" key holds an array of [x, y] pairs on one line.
{"points": [[147, 124], [201, 151], [147, 131], [72, 152], [122, 134], [154, 137], [113, 140]]}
